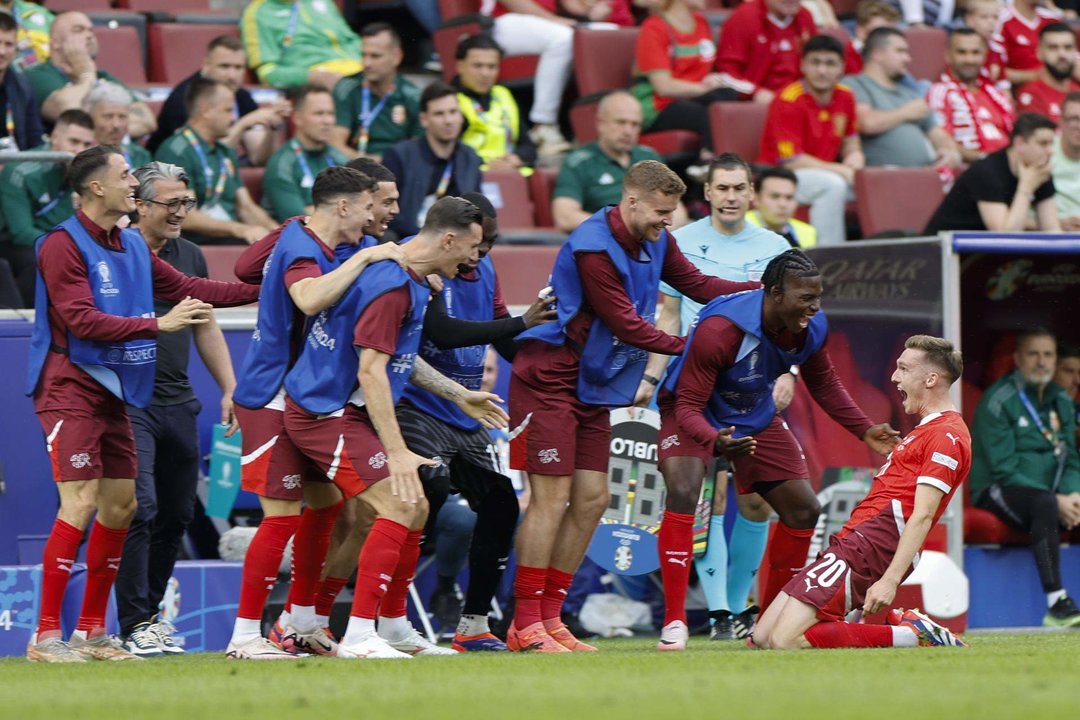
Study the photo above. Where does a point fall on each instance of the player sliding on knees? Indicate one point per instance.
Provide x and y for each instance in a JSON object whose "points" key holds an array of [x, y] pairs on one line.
{"points": [[717, 399], [878, 547]]}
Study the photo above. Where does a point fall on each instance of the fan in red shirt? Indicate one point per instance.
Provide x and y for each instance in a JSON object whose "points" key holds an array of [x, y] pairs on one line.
{"points": [[812, 130], [869, 16], [760, 45], [977, 114], [1046, 93], [878, 547], [85, 363], [1018, 33]]}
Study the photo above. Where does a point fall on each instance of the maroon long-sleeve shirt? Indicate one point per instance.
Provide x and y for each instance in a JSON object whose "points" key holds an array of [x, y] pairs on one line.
{"points": [[249, 266], [63, 386], [714, 349], [557, 367]]}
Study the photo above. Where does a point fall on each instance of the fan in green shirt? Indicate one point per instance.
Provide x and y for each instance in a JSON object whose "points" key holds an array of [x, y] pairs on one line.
{"points": [[378, 107], [109, 105], [226, 210], [71, 73], [291, 172]]}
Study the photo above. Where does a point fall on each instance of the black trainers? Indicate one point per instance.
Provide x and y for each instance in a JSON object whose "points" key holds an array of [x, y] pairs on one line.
{"points": [[1064, 613], [722, 626], [446, 602], [743, 623]]}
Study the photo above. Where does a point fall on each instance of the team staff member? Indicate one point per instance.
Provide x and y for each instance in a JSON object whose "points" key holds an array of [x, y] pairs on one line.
{"points": [[304, 276], [92, 350], [568, 373], [718, 399]]}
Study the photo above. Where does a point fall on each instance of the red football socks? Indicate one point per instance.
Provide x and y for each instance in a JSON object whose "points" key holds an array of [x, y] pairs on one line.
{"points": [[329, 589], [849, 635], [310, 544], [786, 555], [375, 568], [556, 585], [393, 603], [528, 595], [676, 545], [56, 562], [103, 551], [262, 562]]}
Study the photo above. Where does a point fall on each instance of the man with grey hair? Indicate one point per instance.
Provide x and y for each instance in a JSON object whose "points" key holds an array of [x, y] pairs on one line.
{"points": [[109, 105], [166, 434]]}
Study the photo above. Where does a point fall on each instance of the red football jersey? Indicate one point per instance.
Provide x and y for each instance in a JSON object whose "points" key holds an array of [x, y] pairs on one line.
{"points": [[757, 50], [798, 125], [1019, 37], [937, 453], [1038, 97]]}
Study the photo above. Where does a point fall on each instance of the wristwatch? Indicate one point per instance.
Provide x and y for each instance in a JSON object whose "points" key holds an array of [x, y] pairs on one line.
{"points": [[794, 370]]}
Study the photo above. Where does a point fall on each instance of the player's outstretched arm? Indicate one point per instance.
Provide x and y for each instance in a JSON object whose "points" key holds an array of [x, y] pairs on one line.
{"points": [[881, 438], [313, 295], [881, 594], [482, 406]]}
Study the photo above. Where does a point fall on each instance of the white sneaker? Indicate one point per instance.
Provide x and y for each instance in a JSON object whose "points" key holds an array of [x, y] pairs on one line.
{"points": [[163, 632], [673, 636], [416, 644], [371, 647], [51, 650], [102, 647], [143, 642], [258, 648], [315, 642], [548, 140]]}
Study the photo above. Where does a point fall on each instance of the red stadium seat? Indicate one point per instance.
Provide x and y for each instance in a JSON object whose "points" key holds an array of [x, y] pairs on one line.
{"points": [[514, 206], [121, 53], [177, 49], [253, 179], [881, 208], [542, 187], [221, 259], [737, 127], [927, 47], [603, 59], [523, 269], [450, 9]]}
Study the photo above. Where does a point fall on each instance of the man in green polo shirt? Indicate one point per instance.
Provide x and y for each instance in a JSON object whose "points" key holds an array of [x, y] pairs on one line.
{"points": [[378, 107], [32, 39], [36, 198], [109, 105], [226, 210], [291, 171], [591, 177], [71, 72]]}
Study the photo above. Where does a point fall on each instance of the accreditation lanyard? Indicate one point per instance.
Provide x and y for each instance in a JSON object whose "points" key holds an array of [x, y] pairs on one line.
{"points": [[294, 21], [301, 158], [1050, 435], [444, 181], [479, 109], [368, 114], [223, 172]]}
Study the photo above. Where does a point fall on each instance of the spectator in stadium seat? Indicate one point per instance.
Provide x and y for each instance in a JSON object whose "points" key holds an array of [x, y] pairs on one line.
{"points": [[22, 127], [109, 105], [32, 40], [525, 27], [759, 68], [982, 17], [36, 197], [252, 133], [290, 43], [1065, 164], [64, 80], [774, 199], [291, 172], [811, 128], [380, 106], [1025, 468], [998, 192], [166, 433], [226, 210], [869, 16], [492, 120], [968, 105], [895, 122], [591, 177], [1046, 92], [1067, 377], [434, 165], [1019, 33]]}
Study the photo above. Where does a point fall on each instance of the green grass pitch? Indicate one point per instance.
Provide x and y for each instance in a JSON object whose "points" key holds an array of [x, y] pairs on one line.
{"points": [[1021, 676]]}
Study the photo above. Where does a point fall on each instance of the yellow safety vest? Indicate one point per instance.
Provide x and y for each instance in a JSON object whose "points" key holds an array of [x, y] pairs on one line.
{"points": [[805, 234], [492, 134]]}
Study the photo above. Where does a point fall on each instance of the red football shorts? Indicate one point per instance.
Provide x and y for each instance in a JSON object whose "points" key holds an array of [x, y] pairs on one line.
{"points": [[555, 433], [343, 446], [82, 446], [271, 465]]}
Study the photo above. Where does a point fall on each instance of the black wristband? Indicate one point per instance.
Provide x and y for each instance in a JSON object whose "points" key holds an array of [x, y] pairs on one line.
{"points": [[650, 379]]}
